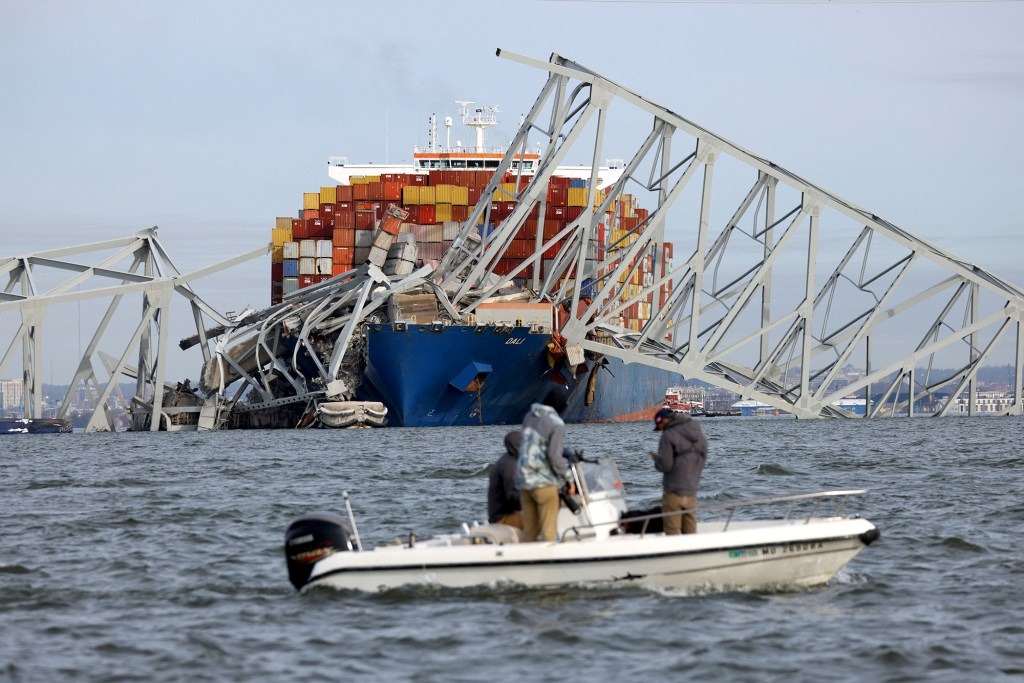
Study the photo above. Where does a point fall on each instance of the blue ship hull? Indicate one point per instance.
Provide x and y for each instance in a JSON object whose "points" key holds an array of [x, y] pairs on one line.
{"points": [[434, 375]]}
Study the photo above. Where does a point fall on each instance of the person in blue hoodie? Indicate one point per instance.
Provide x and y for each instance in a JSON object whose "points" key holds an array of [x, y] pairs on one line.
{"points": [[542, 467]]}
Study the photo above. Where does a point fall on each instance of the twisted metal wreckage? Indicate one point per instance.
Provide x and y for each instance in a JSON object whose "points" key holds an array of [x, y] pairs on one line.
{"points": [[723, 318]]}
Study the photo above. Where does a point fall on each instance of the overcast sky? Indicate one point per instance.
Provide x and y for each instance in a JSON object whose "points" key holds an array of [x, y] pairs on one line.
{"points": [[209, 119]]}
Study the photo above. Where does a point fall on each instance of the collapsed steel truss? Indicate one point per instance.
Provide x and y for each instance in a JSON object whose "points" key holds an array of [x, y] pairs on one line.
{"points": [[783, 284], [150, 274]]}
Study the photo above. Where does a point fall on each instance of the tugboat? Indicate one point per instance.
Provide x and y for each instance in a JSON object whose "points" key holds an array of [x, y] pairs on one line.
{"points": [[676, 401]]}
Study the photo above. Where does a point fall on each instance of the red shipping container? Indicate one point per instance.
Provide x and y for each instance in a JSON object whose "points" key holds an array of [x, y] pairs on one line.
{"points": [[360, 192], [417, 179], [276, 272], [552, 251], [316, 227], [552, 228], [375, 191], [556, 212], [572, 213], [345, 220], [425, 214], [460, 213], [392, 191], [300, 230], [474, 195], [557, 195], [344, 193], [364, 220], [326, 210], [307, 280], [344, 237], [528, 230]]}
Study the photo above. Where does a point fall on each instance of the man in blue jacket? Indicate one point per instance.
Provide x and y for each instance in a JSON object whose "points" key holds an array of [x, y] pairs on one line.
{"points": [[682, 452], [542, 467]]}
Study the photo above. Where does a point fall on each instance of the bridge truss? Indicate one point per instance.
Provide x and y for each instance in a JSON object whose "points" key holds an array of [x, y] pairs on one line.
{"points": [[136, 267], [780, 286]]}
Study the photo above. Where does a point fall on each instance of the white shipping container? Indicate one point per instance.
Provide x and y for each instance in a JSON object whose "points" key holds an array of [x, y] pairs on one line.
{"points": [[307, 248], [403, 251], [324, 249], [383, 241], [430, 251], [324, 266], [397, 266], [307, 265], [377, 256], [291, 250], [364, 238], [289, 285], [406, 237]]}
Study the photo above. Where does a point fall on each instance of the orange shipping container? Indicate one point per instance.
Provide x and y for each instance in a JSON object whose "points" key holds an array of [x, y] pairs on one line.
{"points": [[344, 193], [344, 237], [343, 255]]}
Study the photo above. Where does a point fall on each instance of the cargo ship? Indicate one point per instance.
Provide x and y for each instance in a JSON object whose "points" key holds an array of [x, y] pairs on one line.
{"points": [[435, 367]]}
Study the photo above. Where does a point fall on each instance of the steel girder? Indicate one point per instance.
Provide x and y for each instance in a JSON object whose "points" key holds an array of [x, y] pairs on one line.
{"points": [[776, 288], [150, 273]]}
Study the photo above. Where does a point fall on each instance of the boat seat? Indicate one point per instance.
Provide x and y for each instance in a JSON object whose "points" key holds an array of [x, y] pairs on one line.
{"points": [[498, 534]]}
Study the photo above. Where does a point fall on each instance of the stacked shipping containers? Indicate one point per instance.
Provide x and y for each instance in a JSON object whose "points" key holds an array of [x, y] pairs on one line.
{"points": [[335, 230]]}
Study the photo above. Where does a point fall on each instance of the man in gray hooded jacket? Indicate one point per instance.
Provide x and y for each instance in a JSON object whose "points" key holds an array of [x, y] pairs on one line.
{"points": [[682, 452], [542, 467]]}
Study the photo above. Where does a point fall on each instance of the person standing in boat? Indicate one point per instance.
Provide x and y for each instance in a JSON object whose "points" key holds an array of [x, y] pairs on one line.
{"points": [[682, 452], [542, 467], [503, 506]]}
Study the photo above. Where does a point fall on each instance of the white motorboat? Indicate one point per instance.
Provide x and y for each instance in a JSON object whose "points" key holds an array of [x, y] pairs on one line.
{"points": [[805, 544]]}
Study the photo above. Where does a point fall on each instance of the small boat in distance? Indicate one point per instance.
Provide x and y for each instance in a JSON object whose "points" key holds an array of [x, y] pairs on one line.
{"points": [[599, 542], [683, 400], [30, 425]]}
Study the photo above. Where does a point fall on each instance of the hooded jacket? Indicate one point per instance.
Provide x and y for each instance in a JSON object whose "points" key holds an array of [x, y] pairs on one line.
{"points": [[541, 462], [502, 493], [682, 452]]}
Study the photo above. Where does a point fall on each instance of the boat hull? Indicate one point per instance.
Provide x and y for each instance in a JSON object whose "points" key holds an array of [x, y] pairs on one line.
{"points": [[444, 375], [761, 557]]}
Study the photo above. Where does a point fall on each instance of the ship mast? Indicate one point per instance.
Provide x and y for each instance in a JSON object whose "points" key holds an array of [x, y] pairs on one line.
{"points": [[482, 119]]}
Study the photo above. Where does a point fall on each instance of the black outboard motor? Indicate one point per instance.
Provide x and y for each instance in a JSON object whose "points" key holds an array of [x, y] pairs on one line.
{"points": [[311, 538]]}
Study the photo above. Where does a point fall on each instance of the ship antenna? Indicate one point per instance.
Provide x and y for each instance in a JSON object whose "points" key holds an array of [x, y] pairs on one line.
{"points": [[483, 118], [432, 134]]}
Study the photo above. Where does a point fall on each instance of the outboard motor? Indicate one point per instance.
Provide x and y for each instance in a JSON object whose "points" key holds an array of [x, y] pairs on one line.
{"points": [[311, 538]]}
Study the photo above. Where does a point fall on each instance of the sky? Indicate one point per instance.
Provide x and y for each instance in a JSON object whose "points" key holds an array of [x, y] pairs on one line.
{"points": [[208, 119]]}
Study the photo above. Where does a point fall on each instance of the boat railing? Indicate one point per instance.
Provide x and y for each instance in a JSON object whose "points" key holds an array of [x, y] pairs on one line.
{"points": [[728, 509]]}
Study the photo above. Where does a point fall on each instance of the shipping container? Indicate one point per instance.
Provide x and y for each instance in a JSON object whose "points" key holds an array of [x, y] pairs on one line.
{"points": [[283, 223], [329, 195], [291, 250], [323, 249], [310, 200], [289, 285], [307, 265], [290, 268], [323, 265]]}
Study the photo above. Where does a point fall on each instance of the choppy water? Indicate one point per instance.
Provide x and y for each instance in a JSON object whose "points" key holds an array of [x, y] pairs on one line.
{"points": [[158, 557]]}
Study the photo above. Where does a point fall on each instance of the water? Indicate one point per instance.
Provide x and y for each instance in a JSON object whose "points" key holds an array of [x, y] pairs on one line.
{"points": [[158, 557]]}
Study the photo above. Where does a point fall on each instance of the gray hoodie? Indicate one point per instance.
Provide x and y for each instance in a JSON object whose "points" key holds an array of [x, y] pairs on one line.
{"points": [[541, 462], [682, 452]]}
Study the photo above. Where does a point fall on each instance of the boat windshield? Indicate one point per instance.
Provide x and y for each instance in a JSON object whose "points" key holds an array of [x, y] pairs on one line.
{"points": [[601, 481]]}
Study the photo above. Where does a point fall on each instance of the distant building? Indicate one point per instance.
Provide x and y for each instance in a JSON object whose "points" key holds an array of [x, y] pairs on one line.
{"points": [[12, 393], [984, 402]]}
